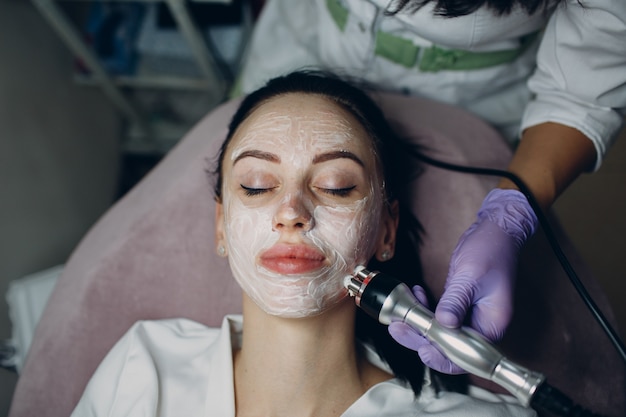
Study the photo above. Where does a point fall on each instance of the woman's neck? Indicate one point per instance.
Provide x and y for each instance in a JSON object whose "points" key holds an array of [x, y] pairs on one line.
{"points": [[293, 367]]}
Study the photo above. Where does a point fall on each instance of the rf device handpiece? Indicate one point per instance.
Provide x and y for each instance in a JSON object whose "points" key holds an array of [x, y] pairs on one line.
{"points": [[388, 299]]}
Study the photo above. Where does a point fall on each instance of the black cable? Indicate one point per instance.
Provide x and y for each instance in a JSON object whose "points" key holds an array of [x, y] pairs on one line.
{"points": [[543, 221], [551, 399]]}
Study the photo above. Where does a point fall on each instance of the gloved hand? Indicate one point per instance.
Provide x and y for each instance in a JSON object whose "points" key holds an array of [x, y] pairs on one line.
{"points": [[481, 276]]}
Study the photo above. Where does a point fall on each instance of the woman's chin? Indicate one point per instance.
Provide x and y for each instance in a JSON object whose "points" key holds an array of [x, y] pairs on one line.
{"points": [[304, 308]]}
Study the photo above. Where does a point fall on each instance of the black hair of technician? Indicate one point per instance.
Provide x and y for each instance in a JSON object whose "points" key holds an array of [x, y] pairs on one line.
{"points": [[456, 8], [398, 169]]}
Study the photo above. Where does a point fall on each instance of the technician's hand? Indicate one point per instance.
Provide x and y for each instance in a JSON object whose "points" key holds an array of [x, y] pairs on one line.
{"points": [[481, 276], [412, 339]]}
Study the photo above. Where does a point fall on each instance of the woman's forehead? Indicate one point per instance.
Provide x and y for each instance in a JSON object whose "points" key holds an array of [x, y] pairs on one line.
{"points": [[303, 121]]}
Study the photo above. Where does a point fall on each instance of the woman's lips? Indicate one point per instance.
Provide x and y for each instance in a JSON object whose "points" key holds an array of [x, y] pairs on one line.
{"points": [[292, 259]]}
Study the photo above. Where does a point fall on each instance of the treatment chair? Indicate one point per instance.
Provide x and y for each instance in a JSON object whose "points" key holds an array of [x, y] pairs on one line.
{"points": [[152, 256]]}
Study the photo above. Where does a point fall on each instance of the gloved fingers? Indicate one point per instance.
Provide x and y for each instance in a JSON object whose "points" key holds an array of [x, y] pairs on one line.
{"points": [[455, 303], [490, 315], [511, 211], [406, 336], [492, 320], [480, 280], [481, 277], [420, 294], [427, 352], [434, 359]]}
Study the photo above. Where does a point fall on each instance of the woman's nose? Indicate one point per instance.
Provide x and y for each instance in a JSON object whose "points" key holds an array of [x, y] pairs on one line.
{"points": [[293, 214]]}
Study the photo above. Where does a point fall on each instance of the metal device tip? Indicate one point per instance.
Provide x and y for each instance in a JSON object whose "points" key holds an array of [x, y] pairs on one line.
{"points": [[354, 282]]}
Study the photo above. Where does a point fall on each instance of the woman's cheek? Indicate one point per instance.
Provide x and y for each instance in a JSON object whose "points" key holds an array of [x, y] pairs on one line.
{"points": [[245, 236], [351, 231]]}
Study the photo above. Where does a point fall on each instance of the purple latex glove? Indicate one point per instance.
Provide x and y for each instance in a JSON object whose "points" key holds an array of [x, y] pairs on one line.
{"points": [[481, 276]]}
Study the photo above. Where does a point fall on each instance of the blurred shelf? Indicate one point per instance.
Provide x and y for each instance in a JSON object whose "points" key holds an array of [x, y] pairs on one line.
{"points": [[161, 137], [152, 82], [210, 74]]}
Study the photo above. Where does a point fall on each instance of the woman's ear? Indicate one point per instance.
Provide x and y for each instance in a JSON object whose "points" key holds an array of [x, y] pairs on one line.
{"points": [[387, 235], [220, 235]]}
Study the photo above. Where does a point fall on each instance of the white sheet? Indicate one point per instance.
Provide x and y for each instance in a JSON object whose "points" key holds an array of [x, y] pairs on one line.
{"points": [[27, 298]]}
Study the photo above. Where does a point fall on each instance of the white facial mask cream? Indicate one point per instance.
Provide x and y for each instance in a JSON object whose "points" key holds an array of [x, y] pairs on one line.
{"points": [[343, 234]]}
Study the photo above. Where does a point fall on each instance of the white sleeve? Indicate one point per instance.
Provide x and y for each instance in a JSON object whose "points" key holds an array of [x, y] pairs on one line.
{"points": [[581, 71], [284, 40], [124, 384]]}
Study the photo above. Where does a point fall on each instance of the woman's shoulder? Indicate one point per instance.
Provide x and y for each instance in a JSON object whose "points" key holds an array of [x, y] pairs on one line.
{"points": [[166, 340], [154, 354]]}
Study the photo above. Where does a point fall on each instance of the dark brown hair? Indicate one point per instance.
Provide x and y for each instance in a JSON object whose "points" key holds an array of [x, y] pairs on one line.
{"points": [[456, 8]]}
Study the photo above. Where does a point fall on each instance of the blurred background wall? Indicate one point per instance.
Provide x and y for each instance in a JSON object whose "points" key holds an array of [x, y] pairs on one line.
{"points": [[59, 155]]}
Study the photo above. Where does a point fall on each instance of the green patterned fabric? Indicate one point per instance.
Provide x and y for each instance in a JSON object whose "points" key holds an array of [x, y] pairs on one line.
{"points": [[434, 58]]}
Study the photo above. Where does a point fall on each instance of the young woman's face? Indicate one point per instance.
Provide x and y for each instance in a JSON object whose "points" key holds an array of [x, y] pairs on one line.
{"points": [[302, 204]]}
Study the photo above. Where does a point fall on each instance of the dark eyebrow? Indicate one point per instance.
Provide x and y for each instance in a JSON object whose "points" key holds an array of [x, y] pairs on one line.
{"points": [[336, 155], [267, 156]]}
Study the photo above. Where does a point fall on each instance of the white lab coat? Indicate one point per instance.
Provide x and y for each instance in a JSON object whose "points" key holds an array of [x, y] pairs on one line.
{"points": [[179, 368], [581, 59]]}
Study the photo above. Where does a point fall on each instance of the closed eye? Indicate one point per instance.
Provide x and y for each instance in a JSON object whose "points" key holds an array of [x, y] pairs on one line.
{"points": [[338, 192], [251, 192]]}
